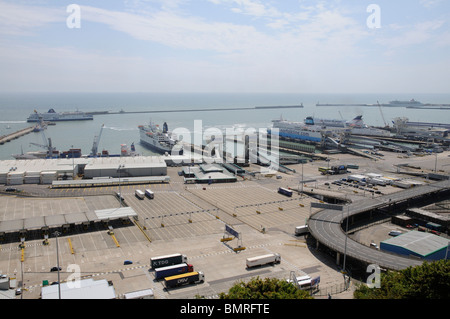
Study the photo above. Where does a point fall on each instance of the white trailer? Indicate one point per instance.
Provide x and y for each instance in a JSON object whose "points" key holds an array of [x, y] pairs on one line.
{"points": [[139, 194], [357, 178], [378, 181], [149, 194], [263, 260], [301, 230], [141, 294]]}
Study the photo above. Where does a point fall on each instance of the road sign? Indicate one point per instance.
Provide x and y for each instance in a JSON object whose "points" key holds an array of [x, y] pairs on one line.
{"points": [[327, 206], [231, 231]]}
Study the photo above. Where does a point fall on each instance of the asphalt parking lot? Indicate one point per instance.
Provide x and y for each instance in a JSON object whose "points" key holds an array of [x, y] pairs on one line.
{"points": [[188, 219]]}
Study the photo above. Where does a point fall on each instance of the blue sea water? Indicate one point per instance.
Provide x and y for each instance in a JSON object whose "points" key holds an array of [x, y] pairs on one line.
{"points": [[123, 128]]}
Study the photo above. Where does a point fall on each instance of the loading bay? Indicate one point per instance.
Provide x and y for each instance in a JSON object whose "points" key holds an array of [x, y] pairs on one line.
{"points": [[187, 219]]}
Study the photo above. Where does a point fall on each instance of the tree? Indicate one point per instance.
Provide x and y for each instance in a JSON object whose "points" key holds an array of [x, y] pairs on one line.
{"points": [[268, 288], [427, 281]]}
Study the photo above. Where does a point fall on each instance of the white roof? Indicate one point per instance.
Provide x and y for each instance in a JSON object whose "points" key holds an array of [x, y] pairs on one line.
{"points": [[82, 289]]}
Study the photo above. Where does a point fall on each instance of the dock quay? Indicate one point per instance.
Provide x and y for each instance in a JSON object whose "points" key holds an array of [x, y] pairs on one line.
{"points": [[6, 138]]}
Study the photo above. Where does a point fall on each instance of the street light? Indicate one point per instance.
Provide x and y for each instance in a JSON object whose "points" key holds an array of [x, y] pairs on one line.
{"points": [[346, 236], [56, 233], [120, 191]]}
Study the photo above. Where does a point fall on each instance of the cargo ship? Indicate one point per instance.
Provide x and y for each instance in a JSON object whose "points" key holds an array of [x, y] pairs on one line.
{"points": [[161, 141], [53, 116]]}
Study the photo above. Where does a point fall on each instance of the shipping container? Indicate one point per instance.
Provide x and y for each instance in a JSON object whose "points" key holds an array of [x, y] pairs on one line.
{"points": [[168, 260]]}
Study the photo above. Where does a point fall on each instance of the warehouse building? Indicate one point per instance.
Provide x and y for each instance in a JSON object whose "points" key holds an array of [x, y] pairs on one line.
{"points": [[424, 245], [46, 171], [137, 166], [81, 289]]}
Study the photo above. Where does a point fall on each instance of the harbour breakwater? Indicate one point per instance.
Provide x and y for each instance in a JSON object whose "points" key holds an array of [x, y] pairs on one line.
{"points": [[6, 138], [196, 110]]}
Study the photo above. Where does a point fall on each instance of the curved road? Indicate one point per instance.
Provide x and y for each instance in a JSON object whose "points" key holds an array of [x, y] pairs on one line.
{"points": [[325, 226]]}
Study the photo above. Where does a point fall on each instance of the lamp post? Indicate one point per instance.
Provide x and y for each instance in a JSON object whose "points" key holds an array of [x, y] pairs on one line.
{"points": [[56, 233], [120, 190], [345, 245]]}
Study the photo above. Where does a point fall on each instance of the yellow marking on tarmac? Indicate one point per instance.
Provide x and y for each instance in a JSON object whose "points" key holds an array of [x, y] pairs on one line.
{"points": [[22, 257], [115, 240], [139, 226], [71, 247]]}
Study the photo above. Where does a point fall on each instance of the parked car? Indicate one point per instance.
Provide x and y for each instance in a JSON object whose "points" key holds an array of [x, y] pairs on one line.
{"points": [[395, 233], [55, 269]]}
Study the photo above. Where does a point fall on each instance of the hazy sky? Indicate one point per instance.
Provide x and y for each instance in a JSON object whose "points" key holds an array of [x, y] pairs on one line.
{"points": [[299, 46]]}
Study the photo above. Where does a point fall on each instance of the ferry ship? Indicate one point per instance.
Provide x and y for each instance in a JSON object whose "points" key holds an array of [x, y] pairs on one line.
{"points": [[161, 141], [297, 130], [411, 102], [355, 126], [53, 116]]}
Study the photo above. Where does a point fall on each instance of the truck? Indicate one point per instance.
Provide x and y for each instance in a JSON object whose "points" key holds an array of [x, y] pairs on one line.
{"points": [[263, 260], [149, 194], [173, 270], [184, 279], [301, 230], [139, 194], [167, 260], [285, 191]]}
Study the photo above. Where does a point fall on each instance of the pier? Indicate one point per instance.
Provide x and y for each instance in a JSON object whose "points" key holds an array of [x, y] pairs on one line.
{"points": [[6, 138]]}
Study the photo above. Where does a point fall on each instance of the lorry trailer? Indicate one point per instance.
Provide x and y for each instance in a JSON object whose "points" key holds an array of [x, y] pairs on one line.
{"points": [[285, 191], [184, 279], [149, 194], [167, 260], [301, 230], [139, 194], [173, 270], [263, 260]]}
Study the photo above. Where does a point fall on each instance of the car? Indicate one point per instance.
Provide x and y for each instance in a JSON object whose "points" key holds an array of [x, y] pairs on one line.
{"points": [[10, 189], [55, 268], [395, 233], [127, 262], [18, 291]]}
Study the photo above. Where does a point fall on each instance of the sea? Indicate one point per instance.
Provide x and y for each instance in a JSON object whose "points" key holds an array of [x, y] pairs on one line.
{"points": [[123, 128]]}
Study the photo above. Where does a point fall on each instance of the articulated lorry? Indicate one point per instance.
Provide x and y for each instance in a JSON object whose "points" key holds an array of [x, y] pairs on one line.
{"points": [[168, 260], [263, 260], [173, 270], [184, 279]]}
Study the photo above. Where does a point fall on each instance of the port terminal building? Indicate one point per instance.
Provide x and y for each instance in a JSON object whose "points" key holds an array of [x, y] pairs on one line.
{"points": [[423, 245], [47, 171]]}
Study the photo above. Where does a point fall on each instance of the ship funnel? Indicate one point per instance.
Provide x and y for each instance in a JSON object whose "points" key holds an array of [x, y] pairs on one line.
{"points": [[165, 127]]}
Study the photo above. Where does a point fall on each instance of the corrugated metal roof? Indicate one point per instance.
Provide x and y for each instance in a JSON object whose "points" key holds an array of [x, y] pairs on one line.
{"points": [[421, 243]]}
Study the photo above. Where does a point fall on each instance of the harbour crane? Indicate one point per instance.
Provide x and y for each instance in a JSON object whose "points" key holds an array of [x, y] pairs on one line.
{"points": [[96, 142], [47, 145], [384, 120]]}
